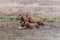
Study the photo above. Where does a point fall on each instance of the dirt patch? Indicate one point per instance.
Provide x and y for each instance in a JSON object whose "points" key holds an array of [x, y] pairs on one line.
{"points": [[51, 31]]}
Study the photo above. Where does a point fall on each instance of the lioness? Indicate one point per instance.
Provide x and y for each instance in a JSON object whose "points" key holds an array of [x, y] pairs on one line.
{"points": [[29, 21]]}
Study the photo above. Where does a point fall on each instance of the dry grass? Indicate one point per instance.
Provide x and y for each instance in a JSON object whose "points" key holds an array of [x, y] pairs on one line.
{"points": [[44, 18]]}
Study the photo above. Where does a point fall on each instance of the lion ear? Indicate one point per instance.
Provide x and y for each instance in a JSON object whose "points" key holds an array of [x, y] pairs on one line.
{"points": [[27, 15], [19, 14]]}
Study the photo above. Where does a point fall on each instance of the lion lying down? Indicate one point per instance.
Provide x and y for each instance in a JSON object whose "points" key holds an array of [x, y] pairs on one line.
{"points": [[27, 21]]}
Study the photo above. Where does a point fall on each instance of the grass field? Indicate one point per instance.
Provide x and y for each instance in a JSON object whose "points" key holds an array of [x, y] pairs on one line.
{"points": [[49, 18], [7, 18], [9, 29], [44, 18]]}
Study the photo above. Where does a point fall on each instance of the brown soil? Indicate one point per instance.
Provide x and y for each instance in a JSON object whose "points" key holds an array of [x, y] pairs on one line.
{"points": [[51, 31]]}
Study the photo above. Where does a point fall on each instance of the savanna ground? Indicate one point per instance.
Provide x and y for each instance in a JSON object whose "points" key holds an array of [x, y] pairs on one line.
{"points": [[9, 25], [9, 29]]}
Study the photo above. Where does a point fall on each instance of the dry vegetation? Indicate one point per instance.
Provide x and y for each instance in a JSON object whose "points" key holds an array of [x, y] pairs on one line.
{"points": [[44, 18], [47, 10]]}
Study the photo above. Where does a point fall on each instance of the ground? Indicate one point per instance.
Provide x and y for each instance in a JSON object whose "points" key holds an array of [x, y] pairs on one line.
{"points": [[51, 31]]}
